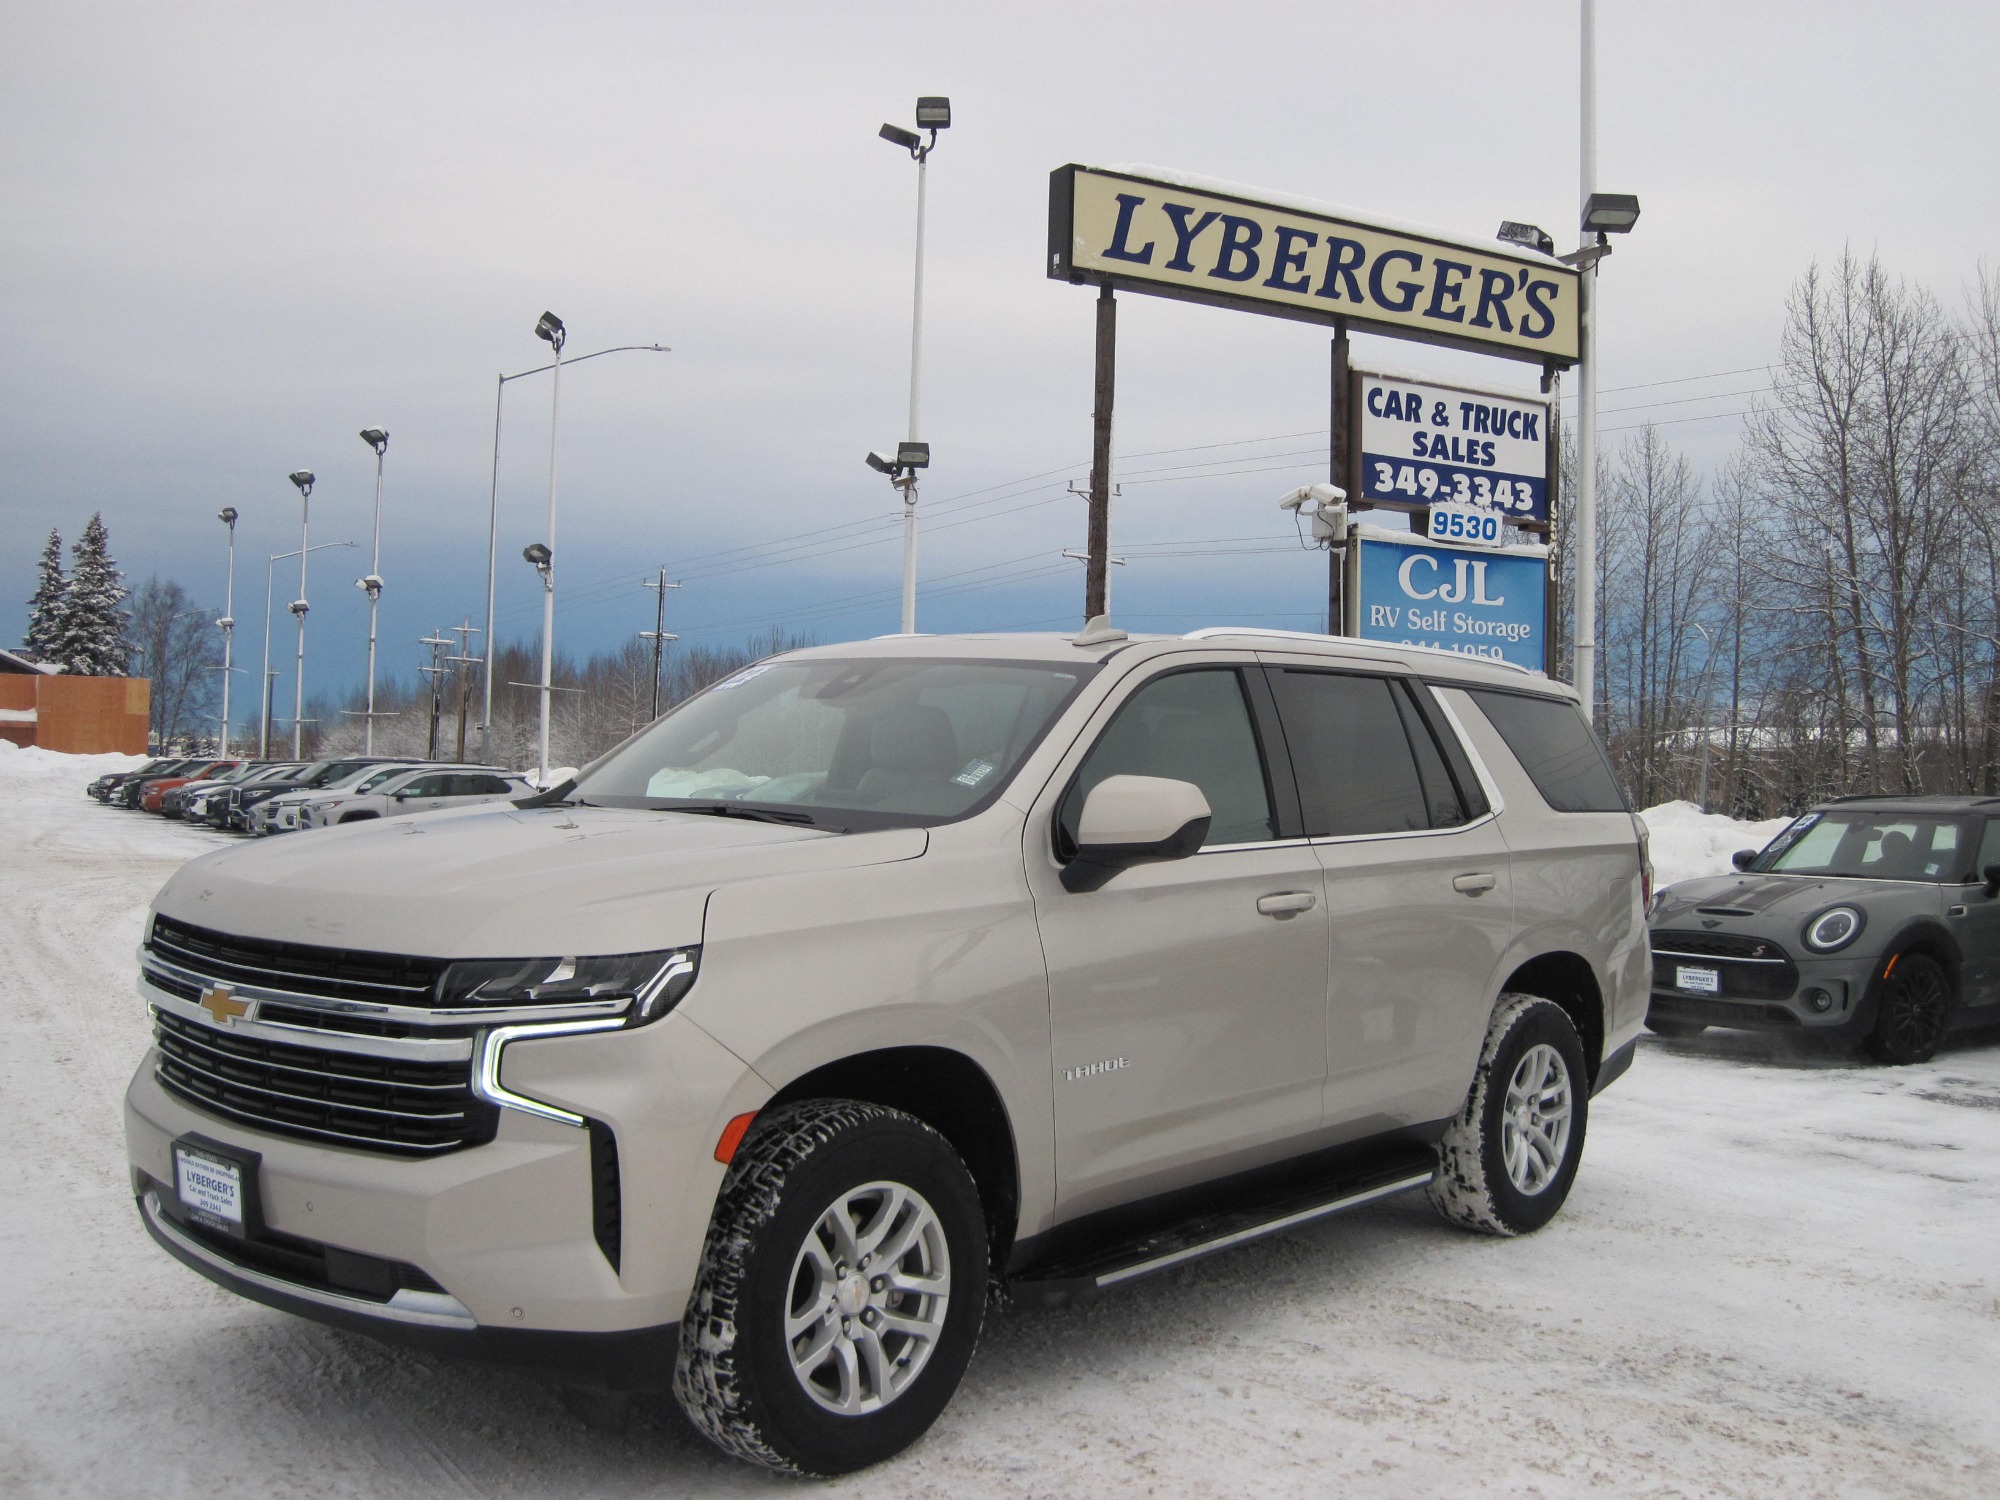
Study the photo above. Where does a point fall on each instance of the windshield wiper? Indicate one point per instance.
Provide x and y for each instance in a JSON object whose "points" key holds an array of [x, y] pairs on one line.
{"points": [[739, 810]]}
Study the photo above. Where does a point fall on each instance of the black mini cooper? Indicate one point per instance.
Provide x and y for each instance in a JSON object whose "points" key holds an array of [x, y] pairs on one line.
{"points": [[1876, 918]]}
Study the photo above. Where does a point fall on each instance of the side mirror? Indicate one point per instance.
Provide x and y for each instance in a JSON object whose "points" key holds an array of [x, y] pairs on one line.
{"points": [[1132, 820], [1743, 859], [1991, 875]]}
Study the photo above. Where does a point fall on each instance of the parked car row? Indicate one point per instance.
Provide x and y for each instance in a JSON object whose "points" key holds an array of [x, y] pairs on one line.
{"points": [[260, 798]]}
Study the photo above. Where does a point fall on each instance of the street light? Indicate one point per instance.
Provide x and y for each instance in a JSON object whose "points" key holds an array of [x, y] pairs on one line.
{"points": [[378, 439], [270, 677], [227, 624], [303, 479], [549, 328], [493, 525], [933, 114]]}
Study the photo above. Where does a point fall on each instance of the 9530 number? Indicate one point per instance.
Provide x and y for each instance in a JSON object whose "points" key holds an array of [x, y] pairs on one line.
{"points": [[1420, 481], [1466, 525]]}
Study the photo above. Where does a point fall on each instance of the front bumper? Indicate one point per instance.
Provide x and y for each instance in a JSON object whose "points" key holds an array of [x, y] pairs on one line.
{"points": [[1843, 982], [494, 1250]]}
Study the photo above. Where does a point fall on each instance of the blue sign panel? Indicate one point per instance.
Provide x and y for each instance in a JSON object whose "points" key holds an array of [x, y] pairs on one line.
{"points": [[1410, 592]]}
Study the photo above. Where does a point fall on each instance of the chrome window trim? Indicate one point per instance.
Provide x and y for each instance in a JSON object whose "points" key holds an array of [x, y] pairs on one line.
{"points": [[1495, 803], [1323, 839], [424, 1309]]}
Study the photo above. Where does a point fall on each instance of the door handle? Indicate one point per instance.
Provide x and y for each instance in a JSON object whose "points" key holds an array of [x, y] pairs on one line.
{"points": [[1473, 885], [1282, 904]]}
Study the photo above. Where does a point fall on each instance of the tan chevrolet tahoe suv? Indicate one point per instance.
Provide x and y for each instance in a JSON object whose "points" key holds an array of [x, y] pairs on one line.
{"points": [[880, 979]]}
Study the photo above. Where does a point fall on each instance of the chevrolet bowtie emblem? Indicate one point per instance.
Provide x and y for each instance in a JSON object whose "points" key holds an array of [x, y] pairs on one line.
{"points": [[221, 1002]]}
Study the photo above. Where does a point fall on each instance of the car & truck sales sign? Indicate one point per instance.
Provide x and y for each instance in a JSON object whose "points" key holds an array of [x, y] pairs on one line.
{"points": [[1406, 591], [1424, 444], [1207, 244]]}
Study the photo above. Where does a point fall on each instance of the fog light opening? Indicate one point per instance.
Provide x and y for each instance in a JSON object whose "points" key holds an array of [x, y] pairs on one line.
{"points": [[1818, 1001]]}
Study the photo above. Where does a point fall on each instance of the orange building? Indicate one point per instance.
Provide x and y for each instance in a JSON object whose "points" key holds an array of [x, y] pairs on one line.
{"points": [[79, 715]]}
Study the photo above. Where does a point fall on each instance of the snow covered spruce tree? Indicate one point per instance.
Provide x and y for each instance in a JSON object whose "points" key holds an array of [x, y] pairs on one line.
{"points": [[45, 605], [91, 641]]}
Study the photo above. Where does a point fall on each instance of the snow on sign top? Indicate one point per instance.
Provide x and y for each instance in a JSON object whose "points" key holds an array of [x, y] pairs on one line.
{"points": [[1175, 235]]}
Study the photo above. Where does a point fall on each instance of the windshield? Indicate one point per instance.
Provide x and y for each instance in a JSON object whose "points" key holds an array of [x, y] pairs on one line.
{"points": [[1869, 846], [843, 743]]}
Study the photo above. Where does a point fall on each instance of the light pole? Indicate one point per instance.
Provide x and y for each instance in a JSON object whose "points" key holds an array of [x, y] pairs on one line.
{"points": [[303, 479], [550, 328], [493, 530], [933, 114], [378, 439], [227, 624], [264, 691]]}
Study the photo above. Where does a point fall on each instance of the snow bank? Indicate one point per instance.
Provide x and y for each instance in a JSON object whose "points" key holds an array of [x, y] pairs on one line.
{"points": [[33, 766], [1687, 842]]}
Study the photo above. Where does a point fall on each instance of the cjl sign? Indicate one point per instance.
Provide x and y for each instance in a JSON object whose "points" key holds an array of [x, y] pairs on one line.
{"points": [[1425, 444], [1406, 591]]}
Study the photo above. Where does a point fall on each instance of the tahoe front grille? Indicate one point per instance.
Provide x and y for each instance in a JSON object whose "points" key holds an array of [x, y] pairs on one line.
{"points": [[1751, 968], [409, 1106], [304, 969]]}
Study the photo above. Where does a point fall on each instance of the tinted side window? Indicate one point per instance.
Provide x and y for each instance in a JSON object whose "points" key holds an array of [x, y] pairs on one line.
{"points": [[1557, 750], [1187, 726], [1441, 796], [425, 786], [1989, 849], [1355, 768]]}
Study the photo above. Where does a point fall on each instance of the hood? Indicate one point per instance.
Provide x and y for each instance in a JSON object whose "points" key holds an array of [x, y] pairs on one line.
{"points": [[1777, 897], [505, 882]]}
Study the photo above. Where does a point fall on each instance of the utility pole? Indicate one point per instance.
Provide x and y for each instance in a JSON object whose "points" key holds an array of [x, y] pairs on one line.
{"points": [[1586, 381], [462, 660], [658, 635], [435, 671]]}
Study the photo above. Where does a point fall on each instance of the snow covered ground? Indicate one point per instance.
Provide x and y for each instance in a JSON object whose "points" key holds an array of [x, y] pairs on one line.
{"points": [[1778, 1275]]}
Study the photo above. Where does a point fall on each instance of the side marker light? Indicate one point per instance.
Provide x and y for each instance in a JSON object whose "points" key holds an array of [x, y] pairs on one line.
{"points": [[732, 1137]]}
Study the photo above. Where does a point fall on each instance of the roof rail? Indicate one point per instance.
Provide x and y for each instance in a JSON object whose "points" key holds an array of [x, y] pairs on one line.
{"points": [[1209, 632]]}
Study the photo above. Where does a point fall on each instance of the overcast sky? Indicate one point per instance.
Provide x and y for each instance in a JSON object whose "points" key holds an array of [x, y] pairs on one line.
{"points": [[236, 234]]}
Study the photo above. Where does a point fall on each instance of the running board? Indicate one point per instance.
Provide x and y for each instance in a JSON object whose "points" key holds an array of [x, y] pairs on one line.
{"points": [[1109, 1265]]}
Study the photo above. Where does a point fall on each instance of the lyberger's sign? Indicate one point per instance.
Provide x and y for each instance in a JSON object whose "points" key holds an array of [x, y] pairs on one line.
{"points": [[1204, 246]]}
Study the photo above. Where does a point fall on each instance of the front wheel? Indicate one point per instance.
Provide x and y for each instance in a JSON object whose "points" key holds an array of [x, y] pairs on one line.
{"points": [[840, 1291], [1913, 1013], [1508, 1158]]}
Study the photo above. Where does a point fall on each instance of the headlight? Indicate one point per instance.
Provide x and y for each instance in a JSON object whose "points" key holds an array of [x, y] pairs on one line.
{"points": [[1834, 928], [655, 981]]}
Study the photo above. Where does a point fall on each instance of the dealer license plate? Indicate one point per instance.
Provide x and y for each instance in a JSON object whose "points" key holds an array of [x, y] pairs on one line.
{"points": [[1702, 981], [210, 1188]]}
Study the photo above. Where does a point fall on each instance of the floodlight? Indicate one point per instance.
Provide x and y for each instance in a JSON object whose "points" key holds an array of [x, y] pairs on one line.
{"points": [[1610, 213], [537, 553], [933, 112], [913, 455], [1533, 236], [895, 135], [227, 515], [549, 328], [880, 464], [303, 478], [371, 585], [375, 438], [299, 608]]}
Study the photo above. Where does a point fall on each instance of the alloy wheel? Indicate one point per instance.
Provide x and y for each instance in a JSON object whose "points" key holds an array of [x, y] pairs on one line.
{"points": [[1535, 1119]]}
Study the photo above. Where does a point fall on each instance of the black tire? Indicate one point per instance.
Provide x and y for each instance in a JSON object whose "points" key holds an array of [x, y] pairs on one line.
{"points": [[1912, 1011], [1675, 1030], [1474, 1187], [736, 1375], [361, 817]]}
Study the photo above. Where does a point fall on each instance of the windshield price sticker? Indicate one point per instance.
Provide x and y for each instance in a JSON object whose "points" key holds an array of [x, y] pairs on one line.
{"points": [[1424, 444], [1467, 525]]}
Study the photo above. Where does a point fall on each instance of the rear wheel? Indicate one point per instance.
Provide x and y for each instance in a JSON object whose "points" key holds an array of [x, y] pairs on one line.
{"points": [[1507, 1160], [1913, 1011], [840, 1292]]}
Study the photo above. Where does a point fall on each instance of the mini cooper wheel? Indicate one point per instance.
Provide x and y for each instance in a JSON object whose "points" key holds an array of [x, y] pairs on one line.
{"points": [[1508, 1158], [1913, 1011], [840, 1291]]}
